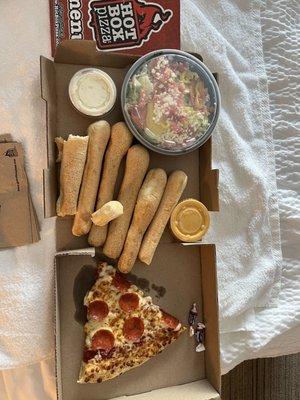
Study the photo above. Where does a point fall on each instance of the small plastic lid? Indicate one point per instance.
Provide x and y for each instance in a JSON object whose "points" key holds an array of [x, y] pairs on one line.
{"points": [[92, 92], [190, 220]]}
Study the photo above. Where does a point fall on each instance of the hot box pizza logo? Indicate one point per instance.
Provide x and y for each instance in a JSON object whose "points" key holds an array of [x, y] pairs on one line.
{"points": [[118, 24]]}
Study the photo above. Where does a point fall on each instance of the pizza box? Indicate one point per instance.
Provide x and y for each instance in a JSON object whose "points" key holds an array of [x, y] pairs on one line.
{"points": [[178, 276]]}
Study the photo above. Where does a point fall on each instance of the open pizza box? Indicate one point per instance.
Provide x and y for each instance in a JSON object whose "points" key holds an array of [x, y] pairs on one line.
{"points": [[178, 276]]}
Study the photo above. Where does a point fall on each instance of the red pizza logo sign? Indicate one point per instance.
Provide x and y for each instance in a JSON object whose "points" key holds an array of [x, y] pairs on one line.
{"points": [[118, 24]]}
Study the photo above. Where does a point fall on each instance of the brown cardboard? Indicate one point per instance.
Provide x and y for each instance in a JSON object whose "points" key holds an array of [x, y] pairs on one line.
{"points": [[178, 364], [176, 268], [18, 220], [211, 315], [48, 92], [63, 119]]}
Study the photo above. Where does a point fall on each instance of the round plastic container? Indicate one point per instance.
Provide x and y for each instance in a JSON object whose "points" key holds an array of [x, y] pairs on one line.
{"points": [[189, 220], [92, 92], [170, 101]]}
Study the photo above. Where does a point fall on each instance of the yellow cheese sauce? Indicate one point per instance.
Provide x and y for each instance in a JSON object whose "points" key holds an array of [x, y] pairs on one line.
{"points": [[189, 220]]}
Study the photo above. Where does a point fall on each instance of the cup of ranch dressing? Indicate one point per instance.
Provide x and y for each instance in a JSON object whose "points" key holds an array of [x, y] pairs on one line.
{"points": [[92, 92]]}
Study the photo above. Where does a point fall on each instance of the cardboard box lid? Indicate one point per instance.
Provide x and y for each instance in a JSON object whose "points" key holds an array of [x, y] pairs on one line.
{"points": [[145, 27]]}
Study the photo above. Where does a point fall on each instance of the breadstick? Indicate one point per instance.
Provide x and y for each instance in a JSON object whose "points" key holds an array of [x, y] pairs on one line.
{"points": [[175, 186], [107, 213], [119, 143], [147, 203], [71, 171], [137, 163], [99, 133]]}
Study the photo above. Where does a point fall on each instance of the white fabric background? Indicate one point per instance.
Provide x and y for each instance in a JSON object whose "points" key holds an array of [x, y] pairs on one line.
{"points": [[248, 221], [23, 113], [277, 328], [26, 273]]}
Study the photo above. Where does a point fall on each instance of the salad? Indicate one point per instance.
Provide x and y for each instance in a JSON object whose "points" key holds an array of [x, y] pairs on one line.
{"points": [[168, 102]]}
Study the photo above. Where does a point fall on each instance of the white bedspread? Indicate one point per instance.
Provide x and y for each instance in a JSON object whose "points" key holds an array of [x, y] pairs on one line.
{"points": [[261, 331], [277, 328]]}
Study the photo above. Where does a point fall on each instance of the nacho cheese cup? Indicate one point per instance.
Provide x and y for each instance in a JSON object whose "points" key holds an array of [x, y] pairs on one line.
{"points": [[189, 220], [92, 92]]}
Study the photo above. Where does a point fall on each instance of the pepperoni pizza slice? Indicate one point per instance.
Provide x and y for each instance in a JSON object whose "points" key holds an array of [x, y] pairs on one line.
{"points": [[124, 328]]}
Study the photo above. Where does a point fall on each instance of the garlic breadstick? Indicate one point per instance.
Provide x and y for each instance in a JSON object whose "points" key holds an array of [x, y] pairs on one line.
{"points": [[137, 162], [108, 212], [175, 186], [147, 203], [99, 133], [119, 143], [71, 171]]}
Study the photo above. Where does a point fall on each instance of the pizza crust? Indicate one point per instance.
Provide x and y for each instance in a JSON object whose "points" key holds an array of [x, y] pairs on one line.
{"points": [[97, 371]]}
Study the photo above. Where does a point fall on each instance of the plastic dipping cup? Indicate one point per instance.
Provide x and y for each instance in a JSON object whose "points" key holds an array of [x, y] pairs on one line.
{"points": [[92, 92], [189, 220]]}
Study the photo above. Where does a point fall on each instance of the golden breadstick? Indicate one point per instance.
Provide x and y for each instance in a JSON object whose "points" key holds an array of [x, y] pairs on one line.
{"points": [[99, 133], [71, 171], [147, 203], [175, 186], [108, 212], [119, 143], [137, 163]]}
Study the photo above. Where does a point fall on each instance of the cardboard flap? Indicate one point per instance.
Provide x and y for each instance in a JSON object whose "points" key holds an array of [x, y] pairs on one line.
{"points": [[211, 314], [81, 52], [199, 390], [209, 183], [50, 192], [48, 93], [56, 334]]}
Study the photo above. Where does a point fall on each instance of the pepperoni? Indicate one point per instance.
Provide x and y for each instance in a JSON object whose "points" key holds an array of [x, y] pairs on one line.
{"points": [[98, 310], [170, 321], [106, 353], [120, 282], [133, 329], [103, 340], [129, 302], [88, 354]]}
